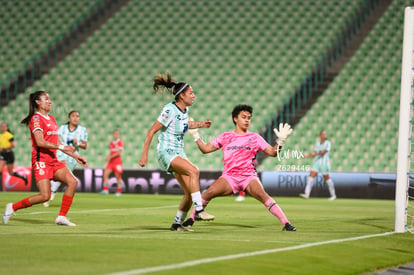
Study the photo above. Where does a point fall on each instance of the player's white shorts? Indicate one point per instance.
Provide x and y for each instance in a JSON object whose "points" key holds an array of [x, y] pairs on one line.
{"points": [[70, 162], [320, 167], [165, 158], [71, 165]]}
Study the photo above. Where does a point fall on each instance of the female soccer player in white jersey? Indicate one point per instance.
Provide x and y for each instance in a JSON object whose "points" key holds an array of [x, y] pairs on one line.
{"points": [[70, 133], [45, 165], [173, 124], [321, 164], [239, 149]]}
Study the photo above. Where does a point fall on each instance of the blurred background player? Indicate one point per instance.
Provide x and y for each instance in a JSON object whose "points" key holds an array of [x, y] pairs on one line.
{"points": [[70, 133], [173, 124], [114, 164], [45, 165], [321, 164], [6, 152], [239, 148]]}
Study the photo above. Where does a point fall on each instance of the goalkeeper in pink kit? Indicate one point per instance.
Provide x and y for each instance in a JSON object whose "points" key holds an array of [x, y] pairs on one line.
{"points": [[239, 153]]}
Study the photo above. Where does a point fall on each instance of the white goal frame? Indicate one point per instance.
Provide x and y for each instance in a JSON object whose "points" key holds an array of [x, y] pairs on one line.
{"points": [[405, 131]]}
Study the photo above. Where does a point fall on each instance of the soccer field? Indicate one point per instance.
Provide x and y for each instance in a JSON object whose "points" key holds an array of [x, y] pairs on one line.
{"points": [[130, 235]]}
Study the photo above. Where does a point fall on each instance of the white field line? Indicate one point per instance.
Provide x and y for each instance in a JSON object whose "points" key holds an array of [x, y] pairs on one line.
{"points": [[242, 255], [102, 210]]}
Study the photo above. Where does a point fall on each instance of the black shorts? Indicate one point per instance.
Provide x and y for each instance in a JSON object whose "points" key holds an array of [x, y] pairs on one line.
{"points": [[7, 156]]}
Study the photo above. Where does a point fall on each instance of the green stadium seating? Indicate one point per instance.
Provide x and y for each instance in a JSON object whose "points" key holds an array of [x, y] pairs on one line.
{"points": [[27, 26], [244, 52], [360, 107]]}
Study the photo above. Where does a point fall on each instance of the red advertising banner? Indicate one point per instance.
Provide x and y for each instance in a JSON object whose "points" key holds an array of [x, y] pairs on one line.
{"points": [[12, 183]]}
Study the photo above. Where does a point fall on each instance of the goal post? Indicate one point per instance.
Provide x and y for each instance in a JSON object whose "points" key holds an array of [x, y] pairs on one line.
{"points": [[405, 130]]}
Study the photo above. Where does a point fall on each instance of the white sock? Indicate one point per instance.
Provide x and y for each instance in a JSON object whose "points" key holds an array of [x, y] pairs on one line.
{"points": [[331, 187], [54, 185], [196, 198], [309, 185], [180, 216]]}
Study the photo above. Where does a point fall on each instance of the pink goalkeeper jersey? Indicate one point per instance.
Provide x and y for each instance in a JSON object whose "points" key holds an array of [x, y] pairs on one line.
{"points": [[239, 152]]}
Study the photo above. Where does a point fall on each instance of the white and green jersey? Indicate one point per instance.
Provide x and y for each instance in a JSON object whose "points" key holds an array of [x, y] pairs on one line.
{"points": [[321, 162], [175, 122], [66, 137]]}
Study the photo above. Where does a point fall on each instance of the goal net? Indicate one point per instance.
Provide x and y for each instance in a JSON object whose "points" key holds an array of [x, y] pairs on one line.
{"points": [[404, 192]]}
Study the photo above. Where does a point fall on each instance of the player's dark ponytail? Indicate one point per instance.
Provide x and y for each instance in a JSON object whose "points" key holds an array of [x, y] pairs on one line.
{"points": [[161, 81], [32, 106]]}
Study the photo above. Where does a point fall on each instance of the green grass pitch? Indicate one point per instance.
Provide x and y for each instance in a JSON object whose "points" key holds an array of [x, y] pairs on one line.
{"points": [[130, 235]]}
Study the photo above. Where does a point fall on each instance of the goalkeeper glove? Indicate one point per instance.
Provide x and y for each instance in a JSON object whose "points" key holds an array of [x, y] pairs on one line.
{"points": [[283, 133], [194, 132]]}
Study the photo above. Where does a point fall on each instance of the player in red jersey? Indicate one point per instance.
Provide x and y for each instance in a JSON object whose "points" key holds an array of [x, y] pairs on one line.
{"points": [[45, 165], [114, 161]]}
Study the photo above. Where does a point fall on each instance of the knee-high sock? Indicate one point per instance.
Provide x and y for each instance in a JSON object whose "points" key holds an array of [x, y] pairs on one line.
{"points": [[196, 198], [180, 216], [309, 185], [276, 210], [24, 203], [331, 187], [119, 187], [66, 203], [105, 186]]}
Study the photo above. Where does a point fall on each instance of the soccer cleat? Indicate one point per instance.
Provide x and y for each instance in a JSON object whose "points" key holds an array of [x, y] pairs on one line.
{"points": [[179, 227], [46, 203], [52, 196], [188, 223], [8, 213], [332, 198], [62, 220], [240, 198], [203, 216], [289, 227], [118, 194], [304, 196], [104, 192]]}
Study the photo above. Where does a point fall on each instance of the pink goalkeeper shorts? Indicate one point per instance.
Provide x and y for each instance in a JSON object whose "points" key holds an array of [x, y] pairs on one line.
{"points": [[239, 182]]}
